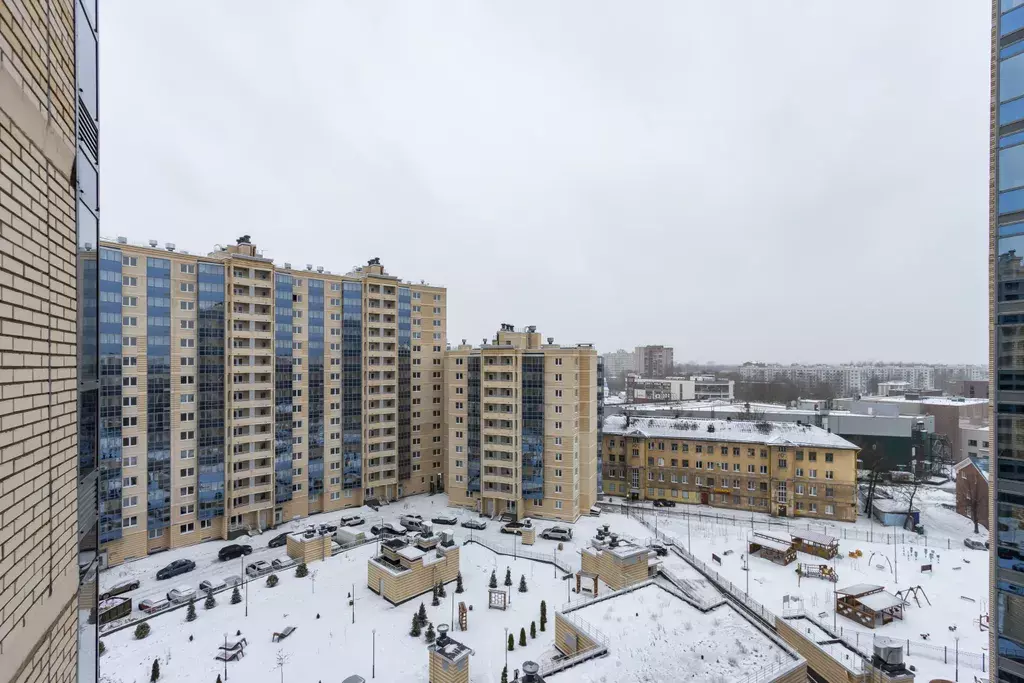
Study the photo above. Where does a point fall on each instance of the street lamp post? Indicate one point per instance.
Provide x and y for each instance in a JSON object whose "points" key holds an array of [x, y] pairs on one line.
{"points": [[373, 669], [505, 648]]}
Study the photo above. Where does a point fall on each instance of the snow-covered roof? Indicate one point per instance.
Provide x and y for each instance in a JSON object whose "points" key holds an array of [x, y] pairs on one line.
{"points": [[452, 650], [779, 546], [816, 537], [410, 553], [858, 589], [973, 461], [880, 601], [890, 505], [928, 400], [696, 429]]}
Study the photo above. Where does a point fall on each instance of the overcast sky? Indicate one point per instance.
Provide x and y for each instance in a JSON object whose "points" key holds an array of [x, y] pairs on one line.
{"points": [[778, 181]]}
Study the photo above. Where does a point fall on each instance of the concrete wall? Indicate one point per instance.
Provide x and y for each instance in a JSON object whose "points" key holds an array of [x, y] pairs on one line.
{"points": [[825, 666], [38, 365]]}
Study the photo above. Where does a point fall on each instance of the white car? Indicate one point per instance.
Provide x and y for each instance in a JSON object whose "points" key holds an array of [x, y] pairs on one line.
{"points": [[352, 520], [282, 562], [212, 585], [181, 594], [258, 568]]}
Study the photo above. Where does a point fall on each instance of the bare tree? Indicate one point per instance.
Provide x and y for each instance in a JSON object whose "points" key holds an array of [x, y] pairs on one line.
{"points": [[282, 659], [906, 492], [873, 461], [974, 497]]}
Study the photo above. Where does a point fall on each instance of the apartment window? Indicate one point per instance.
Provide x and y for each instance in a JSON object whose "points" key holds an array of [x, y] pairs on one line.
{"points": [[129, 461], [187, 324], [187, 509], [813, 474], [187, 528], [187, 379], [829, 492], [188, 360], [558, 505], [829, 457], [129, 261], [830, 510], [187, 287], [187, 417], [132, 321], [129, 501], [188, 398], [129, 281], [127, 441], [188, 490], [188, 268], [128, 482], [129, 341], [724, 450], [205, 523], [699, 448], [735, 467], [129, 522], [558, 456], [187, 472], [782, 463], [558, 473], [187, 343], [558, 409], [812, 456], [131, 301], [129, 421], [187, 305], [558, 377], [296, 471], [297, 486], [686, 448], [764, 469], [155, 533], [735, 451], [799, 471], [558, 425], [829, 474], [750, 469]]}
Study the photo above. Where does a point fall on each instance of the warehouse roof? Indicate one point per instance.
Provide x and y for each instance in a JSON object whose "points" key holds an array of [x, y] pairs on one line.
{"points": [[706, 429]]}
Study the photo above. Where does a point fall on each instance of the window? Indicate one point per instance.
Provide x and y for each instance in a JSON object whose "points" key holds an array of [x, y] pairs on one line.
{"points": [[188, 490], [129, 501], [188, 398], [187, 287], [187, 509], [782, 463], [829, 457], [187, 343], [187, 324], [812, 456], [558, 505], [129, 261], [764, 469], [129, 461], [129, 381], [558, 361], [187, 528], [812, 473], [205, 523], [131, 301], [129, 321], [129, 341], [127, 441], [187, 472], [129, 522], [188, 360], [558, 377], [129, 421], [830, 510], [829, 474], [558, 473], [155, 533], [128, 281], [188, 268], [128, 482], [750, 469]]}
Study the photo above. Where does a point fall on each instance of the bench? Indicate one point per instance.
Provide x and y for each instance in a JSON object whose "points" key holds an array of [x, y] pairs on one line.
{"points": [[230, 655], [278, 637]]}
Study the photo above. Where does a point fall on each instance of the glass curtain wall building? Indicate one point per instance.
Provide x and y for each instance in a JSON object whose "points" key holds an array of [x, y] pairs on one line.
{"points": [[1006, 219]]}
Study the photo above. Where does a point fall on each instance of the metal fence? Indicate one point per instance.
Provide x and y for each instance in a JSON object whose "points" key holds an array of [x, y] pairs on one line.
{"points": [[844, 532], [516, 552]]}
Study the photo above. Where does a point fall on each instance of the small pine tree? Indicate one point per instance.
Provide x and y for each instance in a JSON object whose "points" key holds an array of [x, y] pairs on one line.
{"points": [[272, 580], [522, 637], [511, 642], [236, 596], [508, 576], [190, 615], [434, 601], [210, 603], [101, 648], [302, 570], [422, 615], [504, 674], [533, 629], [218, 679], [415, 631], [494, 580], [458, 583], [441, 592], [142, 630], [430, 632], [522, 583], [155, 674], [543, 615]]}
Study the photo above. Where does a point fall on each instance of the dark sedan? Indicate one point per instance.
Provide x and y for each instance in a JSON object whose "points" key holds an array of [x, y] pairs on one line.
{"points": [[278, 541], [234, 551], [175, 568]]}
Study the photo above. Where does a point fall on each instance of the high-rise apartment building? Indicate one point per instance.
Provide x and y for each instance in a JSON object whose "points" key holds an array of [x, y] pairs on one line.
{"points": [[47, 111], [618, 363], [653, 361], [522, 426], [1006, 326], [237, 394]]}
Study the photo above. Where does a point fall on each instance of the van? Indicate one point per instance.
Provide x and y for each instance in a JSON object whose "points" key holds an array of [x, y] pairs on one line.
{"points": [[181, 594], [349, 536], [412, 522]]}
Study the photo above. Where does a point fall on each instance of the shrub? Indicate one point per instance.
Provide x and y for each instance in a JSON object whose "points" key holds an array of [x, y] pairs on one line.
{"points": [[522, 583], [458, 583], [494, 580], [272, 580], [543, 615], [236, 596], [142, 630], [504, 674], [434, 600], [430, 632], [415, 630], [190, 615], [441, 593], [522, 637], [210, 603], [511, 642], [533, 629], [101, 648], [302, 570], [155, 673], [508, 576], [422, 615]]}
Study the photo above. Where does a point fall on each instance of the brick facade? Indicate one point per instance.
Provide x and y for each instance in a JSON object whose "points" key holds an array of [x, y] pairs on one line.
{"points": [[38, 376]]}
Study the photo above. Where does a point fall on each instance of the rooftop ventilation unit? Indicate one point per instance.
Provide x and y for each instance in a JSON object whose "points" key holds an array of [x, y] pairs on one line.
{"points": [[88, 246], [287, 265], [153, 243], [309, 266], [319, 269], [169, 246], [888, 655], [122, 240], [551, 340]]}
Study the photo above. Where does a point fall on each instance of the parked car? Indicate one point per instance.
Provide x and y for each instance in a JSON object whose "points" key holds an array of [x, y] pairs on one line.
{"points": [[412, 522], [557, 533], [976, 543], [659, 549], [212, 585], [666, 503], [656, 503], [258, 568], [232, 581], [389, 530], [278, 541], [352, 520], [118, 589], [475, 524], [150, 605], [445, 519], [175, 568], [515, 528], [233, 551], [282, 562], [181, 594]]}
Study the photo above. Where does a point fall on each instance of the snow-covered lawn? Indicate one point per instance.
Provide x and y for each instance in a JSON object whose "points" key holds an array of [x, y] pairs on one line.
{"points": [[654, 636]]}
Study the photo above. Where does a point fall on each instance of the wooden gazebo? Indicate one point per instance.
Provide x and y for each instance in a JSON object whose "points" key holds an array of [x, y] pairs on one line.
{"points": [[814, 543], [868, 604], [779, 549]]}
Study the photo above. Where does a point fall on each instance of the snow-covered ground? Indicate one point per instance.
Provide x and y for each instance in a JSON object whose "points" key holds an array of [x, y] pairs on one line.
{"points": [[654, 636]]}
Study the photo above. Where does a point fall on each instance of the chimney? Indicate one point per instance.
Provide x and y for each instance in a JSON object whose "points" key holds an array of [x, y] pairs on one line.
{"points": [[442, 634], [531, 673]]}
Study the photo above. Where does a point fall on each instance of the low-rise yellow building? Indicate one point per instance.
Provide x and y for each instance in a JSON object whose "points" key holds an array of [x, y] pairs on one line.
{"points": [[781, 468], [403, 570], [619, 564]]}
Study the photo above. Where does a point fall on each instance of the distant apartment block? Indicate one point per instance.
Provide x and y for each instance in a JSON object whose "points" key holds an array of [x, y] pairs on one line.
{"points": [[695, 388], [522, 426], [781, 468], [237, 394], [653, 361], [618, 363], [848, 380]]}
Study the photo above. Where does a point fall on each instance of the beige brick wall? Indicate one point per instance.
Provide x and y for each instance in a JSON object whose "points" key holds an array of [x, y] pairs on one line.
{"points": [[38, 392]]}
